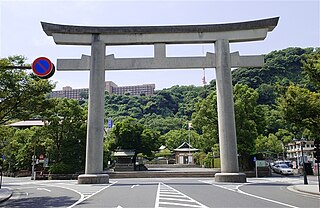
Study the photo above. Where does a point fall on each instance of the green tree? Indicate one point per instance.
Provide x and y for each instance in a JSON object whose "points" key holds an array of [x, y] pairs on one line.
{"points": [[245, 102], [174, 138], [66, 129], [163, 125], [6, 135], [281, 67], [268, 146], [22, 94], [311, 66], [205, 119], [150, 141], [301, 107], [130, 134], [19, 148]]}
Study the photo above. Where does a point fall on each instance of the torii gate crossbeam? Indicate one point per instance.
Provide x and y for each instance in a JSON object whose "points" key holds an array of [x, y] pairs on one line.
{"points": [[219, 34]]}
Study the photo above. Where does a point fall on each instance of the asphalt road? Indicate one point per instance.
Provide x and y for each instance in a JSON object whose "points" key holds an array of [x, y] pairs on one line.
{"points": [[165, 192]]}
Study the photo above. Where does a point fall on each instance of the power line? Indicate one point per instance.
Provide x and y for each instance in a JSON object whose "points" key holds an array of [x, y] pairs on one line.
{"points": [[16, 67]]}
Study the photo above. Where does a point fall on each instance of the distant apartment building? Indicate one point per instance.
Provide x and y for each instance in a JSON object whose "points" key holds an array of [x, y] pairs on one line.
{"points": [[68, 92], [145, 89], [294, 151], [110, 87]]}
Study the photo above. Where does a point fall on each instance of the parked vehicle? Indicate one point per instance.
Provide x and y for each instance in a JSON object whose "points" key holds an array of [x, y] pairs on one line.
{"points": [[282, 169], [287, 162]]}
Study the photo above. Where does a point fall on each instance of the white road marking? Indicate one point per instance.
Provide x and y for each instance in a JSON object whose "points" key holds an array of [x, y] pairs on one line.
{"points": [[235, 188], [84, 190], [83, 198], [44, 189], [135, 185], [266, 199], [167, 196]]}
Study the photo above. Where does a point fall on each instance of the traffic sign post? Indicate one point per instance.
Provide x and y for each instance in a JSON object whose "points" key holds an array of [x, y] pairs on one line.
{"points": [[110, 123], [43, 67]]}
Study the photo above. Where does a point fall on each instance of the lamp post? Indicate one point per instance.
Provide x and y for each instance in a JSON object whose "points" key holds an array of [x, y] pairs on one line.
{"points": [[33, 177], [305, 180], [189, 137], [212, 158], [302, 143]]}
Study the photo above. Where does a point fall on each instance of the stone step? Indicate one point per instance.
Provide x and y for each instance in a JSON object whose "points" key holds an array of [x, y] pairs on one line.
{"points": [[159, 174]]}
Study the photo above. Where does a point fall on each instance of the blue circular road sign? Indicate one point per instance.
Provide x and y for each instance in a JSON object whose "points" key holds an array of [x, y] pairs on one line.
{"points": [[43, 67]]}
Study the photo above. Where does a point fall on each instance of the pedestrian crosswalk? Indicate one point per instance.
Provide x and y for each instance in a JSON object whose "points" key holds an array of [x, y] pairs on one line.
{"points": [[170, 197]]}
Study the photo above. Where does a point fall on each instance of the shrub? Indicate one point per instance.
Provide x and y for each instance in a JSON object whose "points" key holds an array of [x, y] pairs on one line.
{"points": [[61, 168], [208, 160]]}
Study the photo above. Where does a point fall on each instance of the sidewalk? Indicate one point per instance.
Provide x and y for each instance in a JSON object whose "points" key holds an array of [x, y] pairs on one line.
{"points": [[5, 194], [309, 189]]}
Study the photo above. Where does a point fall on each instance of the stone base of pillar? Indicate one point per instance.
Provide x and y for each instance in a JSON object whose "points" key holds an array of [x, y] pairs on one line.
{"points": [[231, 177], [93, 179]]}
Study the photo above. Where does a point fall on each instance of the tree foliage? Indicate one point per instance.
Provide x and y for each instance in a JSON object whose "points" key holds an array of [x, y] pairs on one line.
{"points": [[66, 132], [272, 105], [268, 144], [22, 94], [282, 67], [130, 134], [301, 107], [205, 119], [311, 66], [174, 138]]}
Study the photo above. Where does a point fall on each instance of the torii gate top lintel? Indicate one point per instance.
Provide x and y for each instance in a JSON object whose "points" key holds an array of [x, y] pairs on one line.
{"points": [[235, 32]]}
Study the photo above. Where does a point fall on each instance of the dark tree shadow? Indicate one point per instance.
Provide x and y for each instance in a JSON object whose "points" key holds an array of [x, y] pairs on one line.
{"points": [[39, 202]]}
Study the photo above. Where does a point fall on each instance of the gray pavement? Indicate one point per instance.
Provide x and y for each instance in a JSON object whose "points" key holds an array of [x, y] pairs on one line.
{"points": [[5, 194], [313, 189]]}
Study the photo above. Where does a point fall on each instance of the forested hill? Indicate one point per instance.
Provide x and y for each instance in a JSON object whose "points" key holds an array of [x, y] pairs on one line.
{"points": [[168, 109], [281, 67], [172, 108]]}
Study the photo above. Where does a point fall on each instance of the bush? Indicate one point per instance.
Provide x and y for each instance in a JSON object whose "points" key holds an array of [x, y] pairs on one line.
{"points": [[61, 168], [217, 163], [199, 158], [164, 153], [208, 161]]}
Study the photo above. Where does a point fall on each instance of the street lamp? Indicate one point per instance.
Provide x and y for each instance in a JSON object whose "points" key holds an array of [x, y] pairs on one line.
{"points": [[302, 143]]}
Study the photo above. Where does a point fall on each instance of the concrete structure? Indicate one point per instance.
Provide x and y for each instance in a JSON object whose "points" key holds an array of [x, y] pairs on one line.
{"points": [[159, 36], [124, 160], [27, 123], [110, 87], [184, 154]]}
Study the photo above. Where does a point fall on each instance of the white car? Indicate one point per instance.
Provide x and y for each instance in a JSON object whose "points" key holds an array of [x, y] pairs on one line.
{"points": [[282, 169]]}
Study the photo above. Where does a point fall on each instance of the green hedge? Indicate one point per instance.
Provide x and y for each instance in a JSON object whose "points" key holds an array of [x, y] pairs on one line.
{"points": [[206, 160], [61, 168]]}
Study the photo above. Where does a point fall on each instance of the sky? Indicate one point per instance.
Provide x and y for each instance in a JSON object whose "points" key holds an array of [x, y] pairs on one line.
{"points": [[21, 32]]}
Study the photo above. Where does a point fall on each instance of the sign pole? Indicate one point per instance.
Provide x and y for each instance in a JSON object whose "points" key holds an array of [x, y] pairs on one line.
{"points": [[256, 169], [318, 175]]}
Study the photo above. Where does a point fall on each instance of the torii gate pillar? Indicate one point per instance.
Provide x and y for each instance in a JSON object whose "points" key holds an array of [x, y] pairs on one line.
{"points": [[95, 126], [226, 117]]}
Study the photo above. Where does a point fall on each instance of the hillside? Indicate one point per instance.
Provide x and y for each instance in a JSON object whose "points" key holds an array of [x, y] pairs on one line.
{"points": [[172, 108]]}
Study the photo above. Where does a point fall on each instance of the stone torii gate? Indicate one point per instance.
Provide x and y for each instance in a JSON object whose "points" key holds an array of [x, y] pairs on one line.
{"points": [[101, 37]]}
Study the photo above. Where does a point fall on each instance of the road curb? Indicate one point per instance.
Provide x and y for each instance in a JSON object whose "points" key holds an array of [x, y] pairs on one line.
{"points": [[296, 188]]}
